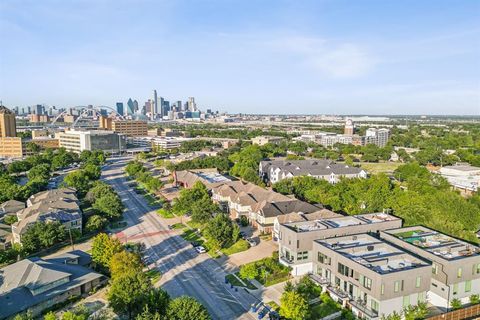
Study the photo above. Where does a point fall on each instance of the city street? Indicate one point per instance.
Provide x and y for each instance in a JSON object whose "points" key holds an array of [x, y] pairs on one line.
{"points": [[184, 272]]}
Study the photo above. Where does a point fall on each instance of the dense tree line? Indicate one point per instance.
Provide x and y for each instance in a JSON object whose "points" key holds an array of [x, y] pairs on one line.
{"points": [[420, 197], [196, 145], [131, 292], [136, 170]]}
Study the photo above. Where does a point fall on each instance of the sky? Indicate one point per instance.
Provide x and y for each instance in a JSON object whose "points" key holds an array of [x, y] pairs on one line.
{"points": [[266, 56]]}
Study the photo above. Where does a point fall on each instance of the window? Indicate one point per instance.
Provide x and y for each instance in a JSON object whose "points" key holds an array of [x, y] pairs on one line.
{"points": [[366, 282], [382, 289], [421, 297], [342, 269], [434, 268], [374, 305], [323, 258], [396, 286], [459, 272], [418, 282], [303, 255], [468, 285], [455, 288], [298, 244], [476, 268], [406, 301]]}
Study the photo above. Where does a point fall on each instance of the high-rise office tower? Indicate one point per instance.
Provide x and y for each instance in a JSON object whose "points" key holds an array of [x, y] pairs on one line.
{"points": [[130, 107], [135, 105], [39, 109], [191, 104], [349, 127], [120, 108], [165, 108], [155, 103], [160, 106], [179, 105], [8, 125]]}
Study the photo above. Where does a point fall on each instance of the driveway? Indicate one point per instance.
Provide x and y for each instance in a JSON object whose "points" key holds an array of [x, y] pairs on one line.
{"points": [[262, 250]]}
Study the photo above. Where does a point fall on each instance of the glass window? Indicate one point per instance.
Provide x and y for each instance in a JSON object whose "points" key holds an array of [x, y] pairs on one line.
{"points": [[476, 268], [367, 282], [382, 289], [396, 286], [455, 288], [459, 272], [434, 268], [406, 301], [468, 285], [374, 305], [418, 282]]}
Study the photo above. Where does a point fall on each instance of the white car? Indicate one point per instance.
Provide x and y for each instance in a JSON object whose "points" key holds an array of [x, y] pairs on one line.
{"points": [[200, 249], [251, 242]]}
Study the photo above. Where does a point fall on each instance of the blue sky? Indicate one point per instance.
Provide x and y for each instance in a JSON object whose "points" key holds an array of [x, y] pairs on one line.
{"points": [[322, 57]]}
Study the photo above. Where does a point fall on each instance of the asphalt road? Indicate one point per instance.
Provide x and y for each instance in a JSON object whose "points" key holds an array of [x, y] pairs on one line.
{"points": [[184, 272]]}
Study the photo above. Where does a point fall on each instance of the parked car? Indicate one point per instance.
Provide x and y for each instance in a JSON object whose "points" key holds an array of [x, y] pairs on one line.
{"points": [[243, 235], [200, 249], [251, 242], [194, 243], [263, 313], [256, 306]]}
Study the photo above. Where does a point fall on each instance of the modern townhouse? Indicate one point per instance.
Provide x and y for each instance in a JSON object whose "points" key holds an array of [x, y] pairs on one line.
{"points": [[296, 239], [260, 206], [455, 263], [276, 170], [53, 205], [369, 275]]}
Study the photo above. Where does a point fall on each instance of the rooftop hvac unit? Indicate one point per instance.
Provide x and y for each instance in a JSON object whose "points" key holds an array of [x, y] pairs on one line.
{"points": [[369, 248]]}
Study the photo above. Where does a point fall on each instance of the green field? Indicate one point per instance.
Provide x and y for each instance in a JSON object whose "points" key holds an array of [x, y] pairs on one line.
{"points": [[167, 214], [374, 168], [239, 246]]}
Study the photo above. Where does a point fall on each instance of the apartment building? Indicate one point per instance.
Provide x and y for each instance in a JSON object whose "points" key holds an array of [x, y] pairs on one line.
{"points": [[11, 147], [370, 275], [53, 205], [296, 239], [276, 170], [260, 206], [80, 140], [378, 137], [131, 128], [455, 263], [263, 140]]}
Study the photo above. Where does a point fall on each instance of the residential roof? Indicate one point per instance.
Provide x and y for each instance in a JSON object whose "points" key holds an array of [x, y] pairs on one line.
{"points": [[436, 243], [309, 167], [465, 168], [11, 206], [29, 282], [372, 253], [299, 216], [209, 177]]}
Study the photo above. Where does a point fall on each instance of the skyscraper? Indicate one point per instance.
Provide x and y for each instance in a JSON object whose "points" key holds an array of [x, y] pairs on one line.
{"points": [[155, 103], [179, 105], [349, 127], [160, 106], [120, 108], [8, 125], [135, 105], [130, 107], [191, 104]]}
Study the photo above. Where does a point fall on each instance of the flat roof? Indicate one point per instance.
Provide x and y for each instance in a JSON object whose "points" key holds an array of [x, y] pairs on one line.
{"points": [[436, 243], [375, 254], [339, 222]]}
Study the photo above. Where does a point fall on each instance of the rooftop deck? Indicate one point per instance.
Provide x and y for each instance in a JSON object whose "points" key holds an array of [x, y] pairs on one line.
{"points": [[436, 243], [373, 253], [340, 222]]}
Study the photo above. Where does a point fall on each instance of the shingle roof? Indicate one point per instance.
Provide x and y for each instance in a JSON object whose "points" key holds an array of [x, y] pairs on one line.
{"points": [[309, 167], [19, 279]]}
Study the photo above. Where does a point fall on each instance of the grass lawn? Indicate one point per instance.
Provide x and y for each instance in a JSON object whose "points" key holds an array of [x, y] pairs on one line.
{"points": [[237, 283], [154, 275], [324, 308], [374, 168], [275, 278], [165, 213], [239, 246], [270, 271], [192, 235], [178, 226], [250, 285], [274, 305]]}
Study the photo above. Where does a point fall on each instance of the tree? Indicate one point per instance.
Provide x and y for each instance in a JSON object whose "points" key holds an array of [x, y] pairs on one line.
{"points": [[10, 219], [188, 197], [78, 180], [33, 147], [392, 316], [95, 222], [134, 167], [39, 172], [123, 262], [103, 249], [98, 190], [109, 205], [293, 306], [43, 235], [220, 231], [24, 316], [50, 316], [92, 171], [186, 308], [127, 292], [203, 210], [249, 271]]}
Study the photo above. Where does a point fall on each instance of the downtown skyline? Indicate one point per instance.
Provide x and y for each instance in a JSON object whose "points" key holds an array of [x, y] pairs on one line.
{"points": [[313, 57]]}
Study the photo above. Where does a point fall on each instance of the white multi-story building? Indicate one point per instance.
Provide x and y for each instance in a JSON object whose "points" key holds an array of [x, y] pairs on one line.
{"points": [[80, 140]]}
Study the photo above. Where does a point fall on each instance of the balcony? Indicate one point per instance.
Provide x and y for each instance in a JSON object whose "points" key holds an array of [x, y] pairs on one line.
{"points": [[287, 261], [339, 293], [361, 306], [322, 281]]}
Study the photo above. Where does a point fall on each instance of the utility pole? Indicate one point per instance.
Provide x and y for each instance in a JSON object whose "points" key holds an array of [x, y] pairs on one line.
{"points": [[71, 239]]}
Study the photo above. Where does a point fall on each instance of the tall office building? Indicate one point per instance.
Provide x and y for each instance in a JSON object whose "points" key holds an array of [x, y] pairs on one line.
{"points": [[39, 109], [179, 106], [130, 107], [155, 103], [191, 104], [120, 108], [8, 125], [349, 127], [160, 106], [135, 105]]}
